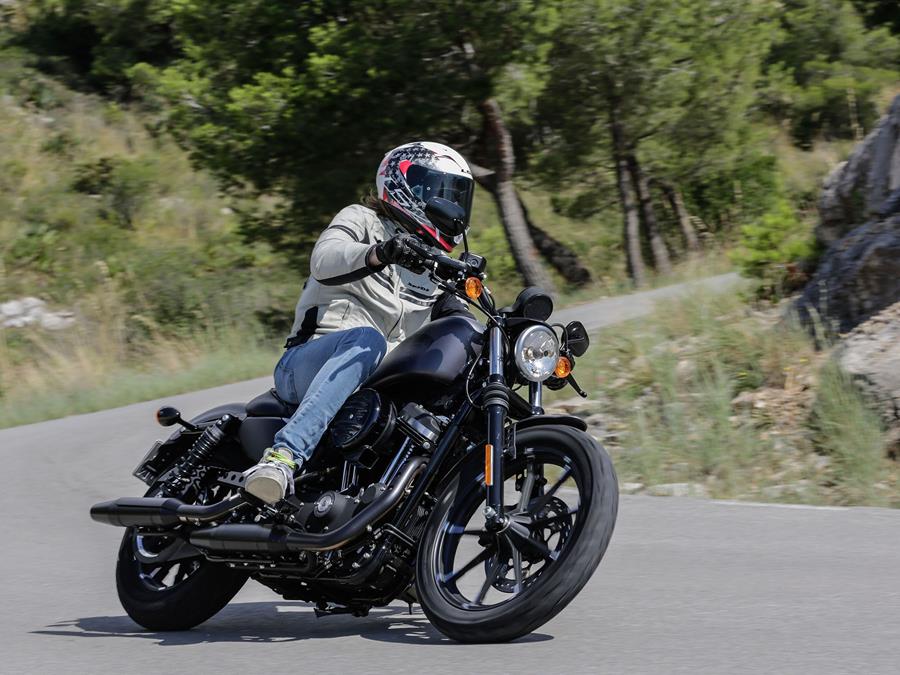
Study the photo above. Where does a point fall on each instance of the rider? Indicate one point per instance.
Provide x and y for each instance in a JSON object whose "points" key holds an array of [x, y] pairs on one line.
{"points": [[367, 291]]}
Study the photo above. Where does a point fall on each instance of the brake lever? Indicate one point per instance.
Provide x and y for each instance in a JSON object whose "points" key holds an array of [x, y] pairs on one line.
{"points": [[578, 390]]}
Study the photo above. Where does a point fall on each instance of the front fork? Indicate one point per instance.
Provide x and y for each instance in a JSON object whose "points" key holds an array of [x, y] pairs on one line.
{"points": [[496, 399]]}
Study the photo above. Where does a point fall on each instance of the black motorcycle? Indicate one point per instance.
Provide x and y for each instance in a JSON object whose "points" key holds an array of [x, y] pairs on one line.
{"points": [[435, 483]]}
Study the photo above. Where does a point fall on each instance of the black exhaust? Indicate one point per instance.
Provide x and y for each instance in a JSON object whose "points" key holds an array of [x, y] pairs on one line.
{"points": [[252, 538], [159, 511]]}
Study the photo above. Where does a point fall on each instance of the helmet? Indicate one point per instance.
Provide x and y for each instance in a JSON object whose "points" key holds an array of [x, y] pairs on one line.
{"points": [[411, 174]]}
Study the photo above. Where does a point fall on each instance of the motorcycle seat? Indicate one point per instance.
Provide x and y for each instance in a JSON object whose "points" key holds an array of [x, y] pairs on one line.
{"points": [[270, 405]]}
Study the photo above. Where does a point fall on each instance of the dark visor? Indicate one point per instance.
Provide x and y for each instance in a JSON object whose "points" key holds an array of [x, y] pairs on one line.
{"points": [[427, 183]]}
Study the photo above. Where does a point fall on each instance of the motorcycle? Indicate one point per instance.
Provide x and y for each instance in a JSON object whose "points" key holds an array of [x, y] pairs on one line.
{"points": [[436, 483]]}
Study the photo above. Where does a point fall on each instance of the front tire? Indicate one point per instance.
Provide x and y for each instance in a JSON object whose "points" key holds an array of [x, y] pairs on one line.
{"points": [[537, 566]]}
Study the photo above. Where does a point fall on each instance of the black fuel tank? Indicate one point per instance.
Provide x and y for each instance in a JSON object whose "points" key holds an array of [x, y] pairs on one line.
{"points": [[436, 357]]}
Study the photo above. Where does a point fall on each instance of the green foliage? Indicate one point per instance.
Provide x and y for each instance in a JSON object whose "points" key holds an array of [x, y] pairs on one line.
{"points": [[773, 241], [826, 70], [97, 41]]}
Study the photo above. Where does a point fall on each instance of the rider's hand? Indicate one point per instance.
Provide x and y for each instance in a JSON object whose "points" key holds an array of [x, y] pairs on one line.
{"points": [[397, 251]]}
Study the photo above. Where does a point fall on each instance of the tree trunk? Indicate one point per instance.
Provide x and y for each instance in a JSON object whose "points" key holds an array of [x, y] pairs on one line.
{"points": [[500, 149], [631, 230], [561, 257], [673, 196], [661, 260]]}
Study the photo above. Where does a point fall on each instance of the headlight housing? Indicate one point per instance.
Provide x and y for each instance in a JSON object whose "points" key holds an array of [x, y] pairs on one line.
{"points": [[536, 353]]}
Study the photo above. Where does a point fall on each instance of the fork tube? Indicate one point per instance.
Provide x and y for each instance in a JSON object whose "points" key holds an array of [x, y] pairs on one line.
{"points": [[496, 404]]}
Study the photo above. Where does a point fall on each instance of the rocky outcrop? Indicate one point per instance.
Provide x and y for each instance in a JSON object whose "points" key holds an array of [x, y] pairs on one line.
{"points": [[858, 277], [865, 187], [33, 312], [859, 274], [871, 354]]}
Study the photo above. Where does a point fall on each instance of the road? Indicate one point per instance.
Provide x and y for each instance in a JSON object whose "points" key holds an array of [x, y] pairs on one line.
{"points": [[687, 586]]}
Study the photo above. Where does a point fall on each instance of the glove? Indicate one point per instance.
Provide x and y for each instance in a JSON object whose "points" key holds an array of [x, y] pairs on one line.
{"points": [[397, 251]]}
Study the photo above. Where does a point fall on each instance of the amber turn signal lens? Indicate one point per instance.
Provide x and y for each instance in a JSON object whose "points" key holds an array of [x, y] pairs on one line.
{"points": [[474, 288], [563, 368]]}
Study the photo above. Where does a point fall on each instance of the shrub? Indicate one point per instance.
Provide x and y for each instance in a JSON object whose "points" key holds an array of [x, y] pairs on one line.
{"points": [[768, 245]]}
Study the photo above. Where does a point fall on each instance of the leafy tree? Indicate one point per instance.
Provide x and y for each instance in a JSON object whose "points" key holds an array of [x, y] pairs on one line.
{"points": [[654, 102], [100, 39], [300, 100], [826, 69]]}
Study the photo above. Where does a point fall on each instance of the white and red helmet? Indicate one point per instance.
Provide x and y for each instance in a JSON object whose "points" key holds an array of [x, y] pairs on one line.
{"points": [[411, 174]]}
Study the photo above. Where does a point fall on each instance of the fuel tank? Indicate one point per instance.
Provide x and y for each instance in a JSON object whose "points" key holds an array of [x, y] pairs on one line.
{"points": [[433, 360]]}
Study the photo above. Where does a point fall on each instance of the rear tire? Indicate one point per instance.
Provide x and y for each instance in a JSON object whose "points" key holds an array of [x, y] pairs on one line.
{"points": [[174, 595], [536, 596]]}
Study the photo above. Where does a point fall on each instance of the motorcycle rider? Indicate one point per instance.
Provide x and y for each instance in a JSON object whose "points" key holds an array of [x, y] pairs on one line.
{"points": [[367, 291]]}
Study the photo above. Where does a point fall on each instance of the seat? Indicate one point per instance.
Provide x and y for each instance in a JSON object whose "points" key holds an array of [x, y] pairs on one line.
{"points": [[270, 405]]}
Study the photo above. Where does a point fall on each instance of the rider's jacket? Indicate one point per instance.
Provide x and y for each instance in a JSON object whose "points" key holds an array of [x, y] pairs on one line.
{"points": [[343, 292]]}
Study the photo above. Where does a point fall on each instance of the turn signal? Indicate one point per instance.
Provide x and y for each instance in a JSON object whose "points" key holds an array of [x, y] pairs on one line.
{"points": [[563, 368], [474, 288]]}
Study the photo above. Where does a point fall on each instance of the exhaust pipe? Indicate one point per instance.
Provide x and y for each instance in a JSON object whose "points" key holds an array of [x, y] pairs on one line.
{"points": [[253, 538], [159, 511]]}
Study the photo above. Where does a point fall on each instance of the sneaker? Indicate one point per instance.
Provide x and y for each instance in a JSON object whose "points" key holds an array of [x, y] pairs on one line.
{"points": [[273, 478]]}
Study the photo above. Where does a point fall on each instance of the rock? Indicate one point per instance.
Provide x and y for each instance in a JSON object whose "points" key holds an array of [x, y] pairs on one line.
{"points": [[57, 320], [678, 490], [30, 311], [871, 354], [858, 277], [859, 209], [630, 488], [799, 488], [865, 186]]}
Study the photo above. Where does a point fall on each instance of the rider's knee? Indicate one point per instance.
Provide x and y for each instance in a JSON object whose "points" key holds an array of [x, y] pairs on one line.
{"points": [[369, 339]]}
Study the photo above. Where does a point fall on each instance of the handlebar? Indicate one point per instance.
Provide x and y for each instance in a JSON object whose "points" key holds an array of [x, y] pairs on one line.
{"points": [[438, 260]]}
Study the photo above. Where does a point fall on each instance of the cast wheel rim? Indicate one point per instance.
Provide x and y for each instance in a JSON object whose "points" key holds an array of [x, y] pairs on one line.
{"points": [[161, 562], [478, 570]]}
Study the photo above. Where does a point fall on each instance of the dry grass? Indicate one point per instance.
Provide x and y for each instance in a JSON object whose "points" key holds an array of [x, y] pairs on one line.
{"points": [[715, 392]]}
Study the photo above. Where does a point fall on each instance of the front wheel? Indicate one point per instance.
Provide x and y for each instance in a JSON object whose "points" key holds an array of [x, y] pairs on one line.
{"points": [[561, 497]]}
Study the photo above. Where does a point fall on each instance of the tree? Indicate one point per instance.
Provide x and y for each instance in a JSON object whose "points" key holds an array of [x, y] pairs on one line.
{"points": [[654, 100], [826, 70], [298, 101]]}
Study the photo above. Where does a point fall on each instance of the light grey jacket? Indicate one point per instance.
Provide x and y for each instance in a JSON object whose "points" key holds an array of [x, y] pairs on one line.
{"points": [[344, 292]]}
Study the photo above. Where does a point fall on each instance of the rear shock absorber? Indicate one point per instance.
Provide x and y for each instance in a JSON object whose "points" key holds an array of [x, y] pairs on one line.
{"points": [[185, 475]]}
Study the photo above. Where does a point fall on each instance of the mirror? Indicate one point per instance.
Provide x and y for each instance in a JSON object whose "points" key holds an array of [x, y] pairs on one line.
{"points": [[577, 340], [449, 217], [167, 416]]}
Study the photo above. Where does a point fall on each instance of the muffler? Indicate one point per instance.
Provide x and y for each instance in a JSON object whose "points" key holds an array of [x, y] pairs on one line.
{"points": [[253, 538], [159, 511]]}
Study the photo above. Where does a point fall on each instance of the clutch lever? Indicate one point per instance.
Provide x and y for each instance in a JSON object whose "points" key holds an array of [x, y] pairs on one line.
{"points": [[578, 390]]}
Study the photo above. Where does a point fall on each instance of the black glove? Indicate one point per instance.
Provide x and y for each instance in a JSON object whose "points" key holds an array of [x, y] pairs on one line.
{"points": [[397, 251]]}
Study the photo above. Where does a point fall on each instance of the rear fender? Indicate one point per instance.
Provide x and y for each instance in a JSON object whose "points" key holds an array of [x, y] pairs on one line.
{"points": [[165, 454]]}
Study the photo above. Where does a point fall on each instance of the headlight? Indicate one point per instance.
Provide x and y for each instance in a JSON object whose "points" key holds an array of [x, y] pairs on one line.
{"points": [[536, 353]]}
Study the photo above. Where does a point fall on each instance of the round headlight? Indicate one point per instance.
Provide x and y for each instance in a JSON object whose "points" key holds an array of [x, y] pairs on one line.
{"points": [[536, 353]]}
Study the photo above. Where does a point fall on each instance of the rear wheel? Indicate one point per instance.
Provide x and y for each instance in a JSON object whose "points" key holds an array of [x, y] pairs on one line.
{"points": [[561, 498], [165, 584]]}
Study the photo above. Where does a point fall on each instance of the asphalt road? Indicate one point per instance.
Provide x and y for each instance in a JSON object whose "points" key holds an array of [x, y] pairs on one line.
{"points": [[687, 586]]}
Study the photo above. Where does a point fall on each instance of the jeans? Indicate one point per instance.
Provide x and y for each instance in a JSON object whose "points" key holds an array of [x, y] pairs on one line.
{"points": [[320, 375]]}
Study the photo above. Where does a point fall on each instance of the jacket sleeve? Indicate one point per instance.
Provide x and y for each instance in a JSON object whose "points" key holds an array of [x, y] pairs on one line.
{"points": [[342, 251]]}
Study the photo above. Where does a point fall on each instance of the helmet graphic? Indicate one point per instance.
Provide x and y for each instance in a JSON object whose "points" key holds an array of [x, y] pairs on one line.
{"points": [[411, 174]]}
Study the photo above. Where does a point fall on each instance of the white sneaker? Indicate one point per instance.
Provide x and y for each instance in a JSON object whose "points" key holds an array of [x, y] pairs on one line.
{"points": [[273, 478]]}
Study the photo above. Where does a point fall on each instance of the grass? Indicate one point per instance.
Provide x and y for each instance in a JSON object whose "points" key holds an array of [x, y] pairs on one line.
{"points": [[713, 391], [170, 369]]}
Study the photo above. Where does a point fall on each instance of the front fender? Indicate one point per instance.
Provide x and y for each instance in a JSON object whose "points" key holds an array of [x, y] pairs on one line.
{"points": [[551, 420]]}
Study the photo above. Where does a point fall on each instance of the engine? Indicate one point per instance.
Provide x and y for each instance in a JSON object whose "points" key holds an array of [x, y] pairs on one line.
{"points": [[363, 429], [374, 440]]}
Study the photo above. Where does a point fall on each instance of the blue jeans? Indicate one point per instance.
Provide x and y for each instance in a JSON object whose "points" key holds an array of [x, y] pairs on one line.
{"points": [[320, 375]]}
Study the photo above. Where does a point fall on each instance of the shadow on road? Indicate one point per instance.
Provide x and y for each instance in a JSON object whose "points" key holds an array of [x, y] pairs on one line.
{"points": [[269, 622]]}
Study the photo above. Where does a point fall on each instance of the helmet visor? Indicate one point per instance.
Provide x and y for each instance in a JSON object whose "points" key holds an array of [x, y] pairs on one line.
{"points": [[427, 183]]}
